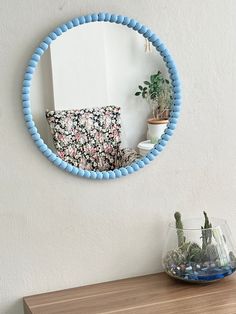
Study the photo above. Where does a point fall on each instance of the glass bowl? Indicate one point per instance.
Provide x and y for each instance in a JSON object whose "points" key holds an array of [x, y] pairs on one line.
{"points": [[198, 254]]}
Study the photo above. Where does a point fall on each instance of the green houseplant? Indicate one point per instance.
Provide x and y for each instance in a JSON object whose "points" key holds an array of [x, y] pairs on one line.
{"points": [[158, 94]]}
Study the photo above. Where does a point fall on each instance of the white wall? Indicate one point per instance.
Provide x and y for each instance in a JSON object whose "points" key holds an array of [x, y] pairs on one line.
{"points": [[59, 231]]}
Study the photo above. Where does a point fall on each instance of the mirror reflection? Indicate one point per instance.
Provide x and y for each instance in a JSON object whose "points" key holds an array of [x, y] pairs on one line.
{"points": [[101, 96]]}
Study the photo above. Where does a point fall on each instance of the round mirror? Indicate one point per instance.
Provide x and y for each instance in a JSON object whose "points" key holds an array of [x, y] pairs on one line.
{"points": [[105, 99]]}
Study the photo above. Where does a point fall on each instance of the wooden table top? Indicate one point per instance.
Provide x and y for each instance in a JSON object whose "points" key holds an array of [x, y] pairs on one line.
{"points": [[147, 294]]}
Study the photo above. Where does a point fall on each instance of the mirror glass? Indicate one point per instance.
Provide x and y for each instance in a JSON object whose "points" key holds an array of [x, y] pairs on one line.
{"points": [[101, 96]]}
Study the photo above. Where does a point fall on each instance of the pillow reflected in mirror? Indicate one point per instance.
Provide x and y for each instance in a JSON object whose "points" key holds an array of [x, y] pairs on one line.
{"points": [[90, 138]]}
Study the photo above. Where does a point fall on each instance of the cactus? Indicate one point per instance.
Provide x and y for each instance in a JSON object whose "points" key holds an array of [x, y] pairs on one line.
{"points": [[179, 228], [194, 253], [232, 259], [206, 232], [175, 257], [211, 253]]}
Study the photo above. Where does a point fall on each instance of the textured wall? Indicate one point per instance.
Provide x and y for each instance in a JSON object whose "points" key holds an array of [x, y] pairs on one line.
{"points": [[59, 231]]}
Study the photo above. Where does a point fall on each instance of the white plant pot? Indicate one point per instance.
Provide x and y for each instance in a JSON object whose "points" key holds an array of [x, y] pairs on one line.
{"points": [[145, 147], [155, 129]]}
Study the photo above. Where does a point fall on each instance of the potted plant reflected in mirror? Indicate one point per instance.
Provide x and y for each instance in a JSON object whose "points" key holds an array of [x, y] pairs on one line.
{"points": [[158, 93], [198, 251]]}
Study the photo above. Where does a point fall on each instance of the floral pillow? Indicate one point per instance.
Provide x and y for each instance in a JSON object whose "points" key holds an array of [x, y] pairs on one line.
{"points": [[87, 138]]}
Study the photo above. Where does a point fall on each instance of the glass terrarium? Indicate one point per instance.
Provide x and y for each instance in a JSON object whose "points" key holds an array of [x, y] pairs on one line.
{"points": [[198, 251]]}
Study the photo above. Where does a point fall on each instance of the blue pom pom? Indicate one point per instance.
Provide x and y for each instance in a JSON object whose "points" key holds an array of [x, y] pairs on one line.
{"points": [[39, 51], [75, 23], [105, 175], [135, 166], [101, 16], [57, 161], [53, 36], [36, 137], [63, 165], [25, 97], [69, 168], [69, 25], [52, 157], [39, 142], [80, 172], [118, 173], [86, 174], [25, 90], [43, 46], [63, 28], [75, 171], [99, 175], [94, 17], [48, 40], [154, 151], [113, 18], [27, 83], [43, 147], [47, 152], [30, 124], [111, 174], [120, 19], [146, 160], [137, 26], [147, 34], [150, 156], [88, 18], [58, 31], [132, 23], [33, 130], [93, 175], [130, 169], [140, 163], [107, 17], [26, 104], [159, 148], [28, 117], [28, 76], [126, 20]]}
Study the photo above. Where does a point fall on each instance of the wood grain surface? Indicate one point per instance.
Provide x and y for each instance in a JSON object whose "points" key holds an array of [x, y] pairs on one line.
{"points": [[140, 295]]}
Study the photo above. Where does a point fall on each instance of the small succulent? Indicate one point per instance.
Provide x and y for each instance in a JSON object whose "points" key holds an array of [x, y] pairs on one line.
{"points": [[179, 228], [194, 253], [157, 91]]}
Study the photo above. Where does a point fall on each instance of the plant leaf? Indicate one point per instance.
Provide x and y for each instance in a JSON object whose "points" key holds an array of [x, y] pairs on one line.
{"points": [[146, 83], [140, 87], [152, 78], [137, 93]]}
